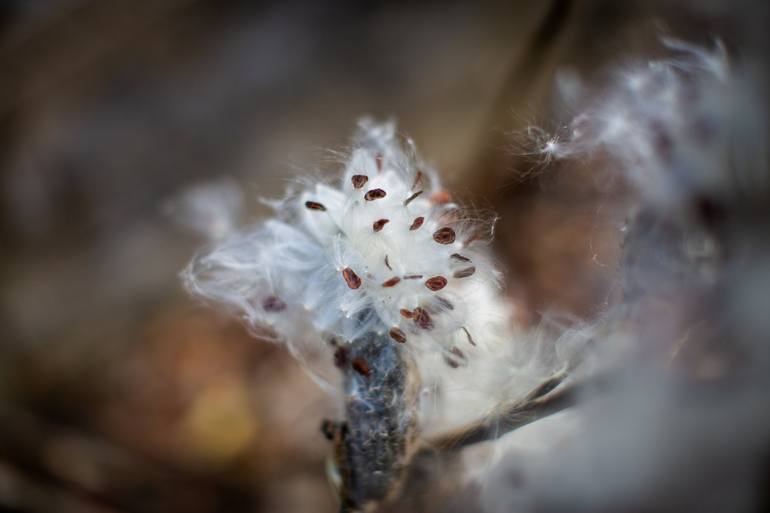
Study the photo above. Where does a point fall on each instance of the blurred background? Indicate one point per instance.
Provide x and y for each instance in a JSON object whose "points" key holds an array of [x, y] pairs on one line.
{"points": [[120, 394]]}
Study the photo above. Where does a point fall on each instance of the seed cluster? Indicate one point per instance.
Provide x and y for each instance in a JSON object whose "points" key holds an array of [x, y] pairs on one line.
{"points": [[445, 235]]}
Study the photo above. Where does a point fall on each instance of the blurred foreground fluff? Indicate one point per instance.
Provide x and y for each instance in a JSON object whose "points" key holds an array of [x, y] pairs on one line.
{"points": [[388, 275], [685, 426]]}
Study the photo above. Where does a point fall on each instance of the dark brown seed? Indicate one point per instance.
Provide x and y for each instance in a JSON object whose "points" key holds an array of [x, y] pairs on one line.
{"points": [[422, 318], [314, 205], [397, 335], [378, 161], [412, 277], [464, 273], [387, 264], [375, 194], [417, 223], [361, 366], [458, 256], [377, 226], [417, 179], [468, 334], [436, 283], [406, 314], [273, 304], [444, 235], [456, 351], [340, 357], [359, 180], [445, 303], [351, 278], [391, 282], [451, 362], [411, 198]]}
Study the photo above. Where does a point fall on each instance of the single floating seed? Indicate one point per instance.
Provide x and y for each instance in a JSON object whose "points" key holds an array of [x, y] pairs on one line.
{"points": [[413, 277], [314, 205], [387, 264], [361, 366], [444, 235], [377, 226], [417, 223], [422, 318], [378, 161], [436, 283], [397, 335], [406, 314], [359, 180], [411, 198], [391, 282], [458, 256], [464, 273], [351, 278], [375, 194], [456, 351], [273, 304]]}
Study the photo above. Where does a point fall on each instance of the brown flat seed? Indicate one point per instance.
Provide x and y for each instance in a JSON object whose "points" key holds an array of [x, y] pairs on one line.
{"points": [[314, 205], [359, 180], [456, 351], [378, 161], [397, 335], [406, 314], [351, 278], [340, 357], [417, 223], [417, 179], [387, 264], [412, 276], [458, 256], [361, 366], [375, 194], [411, 198], [464, 273], [445, 303], [451, 362], [377, 226], [422, 318], [273, 304], [436, 283], [468, 334], [391, 282], [444, 235]]}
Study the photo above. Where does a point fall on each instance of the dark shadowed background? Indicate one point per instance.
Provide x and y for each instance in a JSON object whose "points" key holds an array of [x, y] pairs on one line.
{"points": [[120, 394]]}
